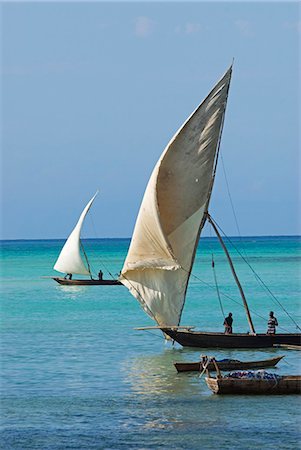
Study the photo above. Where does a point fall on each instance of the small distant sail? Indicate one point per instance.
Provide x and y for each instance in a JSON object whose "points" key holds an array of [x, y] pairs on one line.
{"points": [[172, 214], [70, 260]]}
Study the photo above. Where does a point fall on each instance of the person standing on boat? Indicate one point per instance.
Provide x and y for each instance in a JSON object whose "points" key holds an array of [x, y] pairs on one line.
{"points": [[68, 276], [100, 274], [228, 324], [272, 324]]}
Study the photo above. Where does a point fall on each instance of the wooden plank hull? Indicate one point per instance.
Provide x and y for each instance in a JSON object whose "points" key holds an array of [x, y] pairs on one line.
{"points": [[67, 282], [285, 385], [228, 365], [236, 340]]}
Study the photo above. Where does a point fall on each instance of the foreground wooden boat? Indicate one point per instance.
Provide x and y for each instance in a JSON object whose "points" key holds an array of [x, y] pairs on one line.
{"points": [[202, 339], [275, 384], [68, 282], [290, 384], [227, 365]]}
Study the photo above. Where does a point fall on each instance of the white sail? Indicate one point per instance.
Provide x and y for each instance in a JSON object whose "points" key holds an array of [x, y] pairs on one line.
{"points": [[158, 265], [70, 260]]}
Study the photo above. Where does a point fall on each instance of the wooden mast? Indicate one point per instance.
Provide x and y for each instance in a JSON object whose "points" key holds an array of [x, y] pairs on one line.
{"points": [[89, 269], [234, 274]]}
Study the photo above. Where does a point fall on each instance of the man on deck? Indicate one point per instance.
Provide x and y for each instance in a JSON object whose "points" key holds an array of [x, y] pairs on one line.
{"points": [[228, 324], [272, 324]]}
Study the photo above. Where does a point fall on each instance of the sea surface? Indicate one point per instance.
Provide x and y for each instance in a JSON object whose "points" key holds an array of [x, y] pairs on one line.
{"points": [[75, 374]]}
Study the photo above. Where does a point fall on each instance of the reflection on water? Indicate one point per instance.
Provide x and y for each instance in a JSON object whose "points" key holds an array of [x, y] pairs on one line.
{"points": [[72, 292], [160, 399], [149, 375], [156, 375]]}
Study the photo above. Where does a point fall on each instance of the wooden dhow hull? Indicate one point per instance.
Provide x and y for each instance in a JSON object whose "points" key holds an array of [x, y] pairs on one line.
{"points": [[286, 385], [228, 365], [202, 339], [68, 282]]}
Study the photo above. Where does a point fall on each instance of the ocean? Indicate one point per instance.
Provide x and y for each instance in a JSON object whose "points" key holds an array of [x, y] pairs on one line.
{"points": [[75, 374]]}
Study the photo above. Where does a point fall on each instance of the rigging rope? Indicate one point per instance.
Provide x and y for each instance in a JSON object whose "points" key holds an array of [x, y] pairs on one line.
{"points": [[214, 273], [230, 198], [145, 307], [236, 222], [257, 276], [232, 299], [100, 259], [216, 285]]}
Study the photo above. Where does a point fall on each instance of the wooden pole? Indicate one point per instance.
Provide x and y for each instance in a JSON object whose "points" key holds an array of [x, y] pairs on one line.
{"points": [[234, 275], [89, 269], [218, 372]]}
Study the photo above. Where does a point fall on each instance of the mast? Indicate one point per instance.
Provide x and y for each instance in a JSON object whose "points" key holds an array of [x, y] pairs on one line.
{"points": [[234, 274], [86, 257]]}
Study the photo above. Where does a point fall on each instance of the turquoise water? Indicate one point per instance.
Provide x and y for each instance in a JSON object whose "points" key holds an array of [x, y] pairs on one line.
{"points": [[76, 375]]}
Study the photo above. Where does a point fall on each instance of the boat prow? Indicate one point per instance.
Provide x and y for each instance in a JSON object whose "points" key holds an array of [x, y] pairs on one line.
{"points": [[78, 282]]}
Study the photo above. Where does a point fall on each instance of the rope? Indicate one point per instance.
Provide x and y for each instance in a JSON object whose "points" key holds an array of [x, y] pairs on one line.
{"points": [[231, 202], [258, 277], [83, 250], [232, 299], [104, 265], [156, 335], [216, 285]]}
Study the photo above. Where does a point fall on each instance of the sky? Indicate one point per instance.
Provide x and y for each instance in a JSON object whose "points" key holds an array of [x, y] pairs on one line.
{"points": [[91, 94]]}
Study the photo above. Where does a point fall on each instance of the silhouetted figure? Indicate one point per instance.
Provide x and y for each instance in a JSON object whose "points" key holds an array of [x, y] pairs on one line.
{"points": [[228, 324], [272, 324], [100, 275]]}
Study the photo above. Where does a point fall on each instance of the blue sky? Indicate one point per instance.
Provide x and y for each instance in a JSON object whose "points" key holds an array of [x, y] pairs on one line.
{"points": [[92, 93]]}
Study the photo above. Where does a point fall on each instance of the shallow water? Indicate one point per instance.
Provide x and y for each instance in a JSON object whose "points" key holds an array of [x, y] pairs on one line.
{"points": [[75, 373]]}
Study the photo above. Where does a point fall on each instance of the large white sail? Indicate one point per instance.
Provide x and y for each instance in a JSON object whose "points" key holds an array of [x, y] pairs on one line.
{"points": [[70, 260], [158, 265]]}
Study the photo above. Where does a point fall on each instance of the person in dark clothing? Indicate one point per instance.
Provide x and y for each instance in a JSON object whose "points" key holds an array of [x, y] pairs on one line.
{"points": [[228, 324], [68, 276], [272, 323], [100, 275]]}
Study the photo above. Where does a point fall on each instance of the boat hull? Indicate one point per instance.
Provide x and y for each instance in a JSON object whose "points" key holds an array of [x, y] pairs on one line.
{"points": [[236, 340], [68, 282], [228, 365], [285, 385]]}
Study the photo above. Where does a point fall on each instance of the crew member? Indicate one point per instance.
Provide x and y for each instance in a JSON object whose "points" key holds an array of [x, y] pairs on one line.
{"points": [[228, 324], [272, 323]]}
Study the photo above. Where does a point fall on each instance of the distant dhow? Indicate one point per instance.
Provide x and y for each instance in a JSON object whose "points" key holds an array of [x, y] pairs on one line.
{"points": [[70, 259]]}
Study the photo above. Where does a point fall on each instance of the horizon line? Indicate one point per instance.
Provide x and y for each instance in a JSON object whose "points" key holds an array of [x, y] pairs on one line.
{"points": [[128, 238]]}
